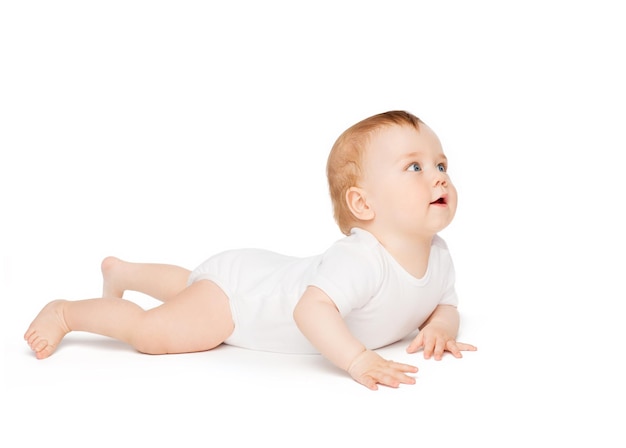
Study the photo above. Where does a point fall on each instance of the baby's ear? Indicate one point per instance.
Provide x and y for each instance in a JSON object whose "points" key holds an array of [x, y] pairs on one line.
{"points": [[358, 205]]}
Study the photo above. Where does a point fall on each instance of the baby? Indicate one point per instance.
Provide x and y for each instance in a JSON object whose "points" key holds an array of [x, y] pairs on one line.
{"points": [[389, 276]]}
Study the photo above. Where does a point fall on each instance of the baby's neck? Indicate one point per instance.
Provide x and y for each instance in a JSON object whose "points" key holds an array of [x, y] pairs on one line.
{"points": [[413, 258], [411, 254]]}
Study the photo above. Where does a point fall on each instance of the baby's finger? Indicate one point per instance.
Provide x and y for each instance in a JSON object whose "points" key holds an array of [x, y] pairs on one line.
{"points": [[416, 344], [440, 348], [368, 382], [393, 374], [454, 348], [407, 368], [393, 378], [429, 348], [466, 347]]}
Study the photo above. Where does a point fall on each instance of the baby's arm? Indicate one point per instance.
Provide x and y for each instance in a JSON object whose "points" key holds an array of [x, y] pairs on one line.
{"points": [[319, 320], [438, 334]]}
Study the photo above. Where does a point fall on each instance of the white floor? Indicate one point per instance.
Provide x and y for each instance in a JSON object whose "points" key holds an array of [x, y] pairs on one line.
{"points": [[166, 133], [532, 382]]}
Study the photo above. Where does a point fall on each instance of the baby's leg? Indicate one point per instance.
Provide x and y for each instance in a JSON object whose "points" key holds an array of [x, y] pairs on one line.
{"points": [[161, 281], [197, 319]]}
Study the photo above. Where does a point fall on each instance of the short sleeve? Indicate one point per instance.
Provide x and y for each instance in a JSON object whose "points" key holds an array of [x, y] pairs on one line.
{"points": [[448, 296], [350, 273]]}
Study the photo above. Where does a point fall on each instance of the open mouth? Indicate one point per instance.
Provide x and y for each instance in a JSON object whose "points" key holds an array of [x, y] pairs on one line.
{"points": [[442, 201]]}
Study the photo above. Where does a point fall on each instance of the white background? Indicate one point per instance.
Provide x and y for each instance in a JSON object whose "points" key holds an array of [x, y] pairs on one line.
{"points": [[168, 131]]}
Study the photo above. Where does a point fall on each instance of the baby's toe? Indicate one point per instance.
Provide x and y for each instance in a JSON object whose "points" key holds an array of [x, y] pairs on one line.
{"points": [[32, 340], [43, 349], [39, 345], [29, 335]]}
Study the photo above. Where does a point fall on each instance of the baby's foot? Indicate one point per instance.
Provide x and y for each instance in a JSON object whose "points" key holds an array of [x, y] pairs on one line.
{"points": [[109, 267], [47, 330]]}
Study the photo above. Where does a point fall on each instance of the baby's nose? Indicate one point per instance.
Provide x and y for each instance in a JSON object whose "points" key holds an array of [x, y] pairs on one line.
{"points": [[440, 179]]}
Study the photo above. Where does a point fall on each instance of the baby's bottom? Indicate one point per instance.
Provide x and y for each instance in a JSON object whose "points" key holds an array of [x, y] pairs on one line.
{"points": [[196, 319]]}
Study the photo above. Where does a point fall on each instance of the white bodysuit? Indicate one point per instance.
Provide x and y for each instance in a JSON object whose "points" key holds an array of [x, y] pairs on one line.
{"points": [[378, 299]]}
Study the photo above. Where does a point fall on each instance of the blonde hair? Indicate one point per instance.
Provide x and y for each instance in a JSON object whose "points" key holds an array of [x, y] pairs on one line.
{"points": [[345, 160]]}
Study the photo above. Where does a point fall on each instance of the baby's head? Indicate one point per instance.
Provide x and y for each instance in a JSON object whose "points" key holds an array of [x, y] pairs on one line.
{"points": [[345, 162], [388, 173]]}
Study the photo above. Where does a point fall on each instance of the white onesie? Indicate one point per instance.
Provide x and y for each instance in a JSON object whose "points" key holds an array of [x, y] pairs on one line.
{"points": [[379, 300]]}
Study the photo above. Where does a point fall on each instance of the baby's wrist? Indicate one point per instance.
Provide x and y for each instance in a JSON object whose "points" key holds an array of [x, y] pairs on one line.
{"points": [[357, 359]]}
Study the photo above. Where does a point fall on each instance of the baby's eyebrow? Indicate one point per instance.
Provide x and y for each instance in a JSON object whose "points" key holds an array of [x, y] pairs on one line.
{"points": [[410, 155], [418, 154]]}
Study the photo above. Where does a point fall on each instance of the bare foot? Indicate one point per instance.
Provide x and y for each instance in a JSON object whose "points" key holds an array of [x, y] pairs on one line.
{"points": [[109, 267], [47, 330]]}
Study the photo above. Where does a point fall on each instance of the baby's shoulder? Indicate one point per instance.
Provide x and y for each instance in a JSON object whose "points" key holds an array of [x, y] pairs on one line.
{"points": [[359, 244], [358, 252]]}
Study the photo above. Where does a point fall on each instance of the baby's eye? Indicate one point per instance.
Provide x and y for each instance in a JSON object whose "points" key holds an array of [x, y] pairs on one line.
{"points": [[442, 168], [414, 167]]}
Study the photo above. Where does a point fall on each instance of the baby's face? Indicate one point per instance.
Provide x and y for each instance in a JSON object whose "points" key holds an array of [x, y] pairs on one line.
{"points": [[405, 176]]}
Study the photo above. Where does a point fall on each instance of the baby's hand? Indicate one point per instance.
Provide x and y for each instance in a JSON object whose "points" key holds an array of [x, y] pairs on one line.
{"points": [[370, 369], [435, 341]]}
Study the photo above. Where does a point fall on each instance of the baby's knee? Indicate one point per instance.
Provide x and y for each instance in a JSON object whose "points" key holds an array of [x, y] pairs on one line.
{"points": [[108, 264], [149, 347], [146, 338]]}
